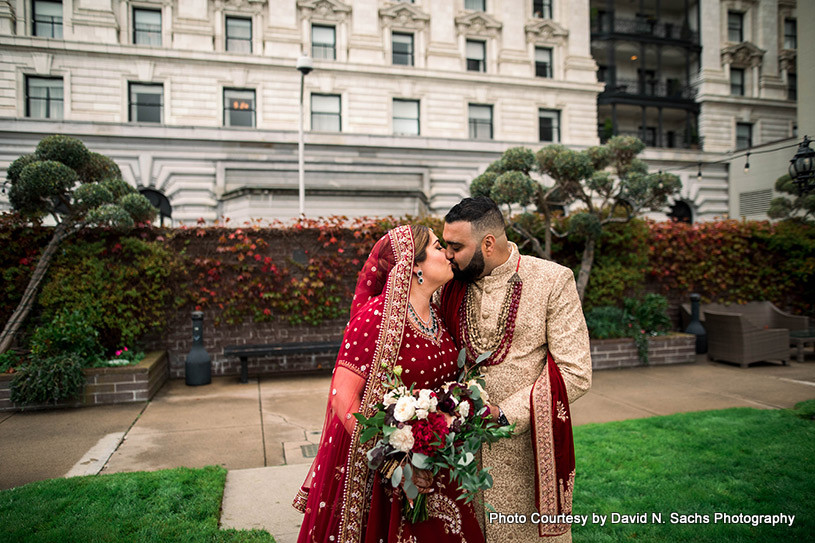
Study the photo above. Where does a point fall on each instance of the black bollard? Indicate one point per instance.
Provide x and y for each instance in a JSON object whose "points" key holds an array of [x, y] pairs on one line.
{"points": [[198, 368], [695, 327]]}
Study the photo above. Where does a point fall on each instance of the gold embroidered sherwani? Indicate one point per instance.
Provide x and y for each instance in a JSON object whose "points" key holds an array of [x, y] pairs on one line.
{"points": [[549, 316]]}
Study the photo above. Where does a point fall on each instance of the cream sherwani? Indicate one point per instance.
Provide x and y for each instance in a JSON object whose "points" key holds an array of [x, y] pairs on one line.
{"points": [[549, 316]]}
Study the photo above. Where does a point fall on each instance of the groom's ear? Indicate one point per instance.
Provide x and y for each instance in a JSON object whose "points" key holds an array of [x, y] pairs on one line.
{"points": [[488, 245]]}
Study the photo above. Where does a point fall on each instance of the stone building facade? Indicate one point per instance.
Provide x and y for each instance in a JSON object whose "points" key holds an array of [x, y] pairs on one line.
{"points": [[408, 101]]}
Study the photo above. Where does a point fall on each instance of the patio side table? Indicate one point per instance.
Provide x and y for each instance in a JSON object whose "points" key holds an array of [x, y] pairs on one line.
{"points": [[800, 339]]}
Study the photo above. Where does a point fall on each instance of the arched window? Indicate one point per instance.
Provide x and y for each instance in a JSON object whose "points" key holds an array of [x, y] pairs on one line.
{"points": [[159, 201], [681, 212]]}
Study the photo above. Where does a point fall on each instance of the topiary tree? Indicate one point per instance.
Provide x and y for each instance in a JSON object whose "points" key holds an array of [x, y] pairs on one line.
{"points": [[797, 207], [79, 189], [609, 183]]}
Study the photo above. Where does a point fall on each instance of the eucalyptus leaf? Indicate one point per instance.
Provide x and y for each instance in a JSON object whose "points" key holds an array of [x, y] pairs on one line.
{"points": [[411, 491], [396, 478], [388, 430], [462, 358], [421, 461], [483, 356], [475, 393]]}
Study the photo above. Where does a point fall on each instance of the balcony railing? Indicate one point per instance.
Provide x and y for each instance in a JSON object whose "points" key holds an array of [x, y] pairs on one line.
{"points": [[651, 88], [670, 140], [643, 27]]}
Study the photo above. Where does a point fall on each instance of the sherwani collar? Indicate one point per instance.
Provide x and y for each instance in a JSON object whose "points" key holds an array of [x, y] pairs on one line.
{"points": [[502, 273]]}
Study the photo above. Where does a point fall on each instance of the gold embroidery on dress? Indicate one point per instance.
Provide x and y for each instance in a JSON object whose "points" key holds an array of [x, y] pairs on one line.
{"points": [[561, 411], [566, 495], [300, 500], [445, 509]]}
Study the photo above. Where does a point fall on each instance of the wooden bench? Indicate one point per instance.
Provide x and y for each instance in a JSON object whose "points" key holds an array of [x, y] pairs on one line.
{"points": [[244, 352]]}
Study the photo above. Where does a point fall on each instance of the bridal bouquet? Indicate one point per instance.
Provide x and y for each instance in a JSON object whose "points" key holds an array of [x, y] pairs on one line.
{"points": [[432, 430]]}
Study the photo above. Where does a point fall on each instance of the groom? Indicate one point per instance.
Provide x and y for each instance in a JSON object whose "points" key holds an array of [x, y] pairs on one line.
{"points": [[525, 311]]}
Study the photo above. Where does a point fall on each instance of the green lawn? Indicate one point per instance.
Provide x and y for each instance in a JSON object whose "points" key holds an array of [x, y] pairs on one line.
{"points": [[733, 461], [163, 506]]}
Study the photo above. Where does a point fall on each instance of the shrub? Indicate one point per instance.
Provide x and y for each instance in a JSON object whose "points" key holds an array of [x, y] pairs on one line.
{"points": [[10, 360], [124, 286], [70, 151], [638, 319], [48, 380], [67, 333]]}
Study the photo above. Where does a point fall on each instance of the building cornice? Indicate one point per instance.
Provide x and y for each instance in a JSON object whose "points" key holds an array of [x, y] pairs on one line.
{"points": [[744, 54], [401, 15], [478, 24]]}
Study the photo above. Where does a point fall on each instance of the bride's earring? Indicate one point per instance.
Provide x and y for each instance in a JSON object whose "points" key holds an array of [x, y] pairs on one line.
{"points": [[419, 275]]}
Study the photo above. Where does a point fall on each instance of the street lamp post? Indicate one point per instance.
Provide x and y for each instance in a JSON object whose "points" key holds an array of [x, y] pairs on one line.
{"points": [[304, 66]]}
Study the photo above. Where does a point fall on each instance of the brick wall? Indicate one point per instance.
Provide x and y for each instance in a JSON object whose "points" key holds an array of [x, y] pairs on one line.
{"points": [[177, 341], [620, 353], [111, 385]]}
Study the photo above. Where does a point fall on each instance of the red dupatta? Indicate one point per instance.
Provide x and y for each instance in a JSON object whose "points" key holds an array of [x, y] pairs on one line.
{"points": [[550, 422], [388, 269]]}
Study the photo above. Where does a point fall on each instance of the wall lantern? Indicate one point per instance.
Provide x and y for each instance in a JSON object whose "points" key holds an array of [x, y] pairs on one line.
{"points": [[801, 167]]}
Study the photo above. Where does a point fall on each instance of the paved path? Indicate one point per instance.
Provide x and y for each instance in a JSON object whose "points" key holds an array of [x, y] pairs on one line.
{"points": [[264, 432]]}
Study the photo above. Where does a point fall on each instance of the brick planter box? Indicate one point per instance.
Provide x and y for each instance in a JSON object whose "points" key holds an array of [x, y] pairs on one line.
{"points": [[622, 353], [115, 384]]}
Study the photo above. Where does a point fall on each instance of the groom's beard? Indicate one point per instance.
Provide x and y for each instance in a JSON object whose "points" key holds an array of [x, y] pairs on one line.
{"points": [[473, 270]]}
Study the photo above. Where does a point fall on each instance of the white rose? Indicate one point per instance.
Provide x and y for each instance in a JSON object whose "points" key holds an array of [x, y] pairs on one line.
{"points": [[402, 439], [421, 414], [426, 402], [484, 396], [390, 398], [464, 409], [405, 408]]}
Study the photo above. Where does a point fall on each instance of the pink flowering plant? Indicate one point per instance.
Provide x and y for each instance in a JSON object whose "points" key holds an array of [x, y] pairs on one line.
{"points": [[125, 357], [432, 429]]}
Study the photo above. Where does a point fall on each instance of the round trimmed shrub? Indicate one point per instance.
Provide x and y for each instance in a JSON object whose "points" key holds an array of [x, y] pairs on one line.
{"points": [[70, 151]]}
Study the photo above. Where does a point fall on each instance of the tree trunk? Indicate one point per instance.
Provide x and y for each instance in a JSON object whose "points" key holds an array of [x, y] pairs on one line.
{"points": [[547, 237], [30, 294], [536, 245], [585, 267]]}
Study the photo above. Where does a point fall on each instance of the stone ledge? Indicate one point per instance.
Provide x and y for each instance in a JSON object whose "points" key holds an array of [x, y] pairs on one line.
{"points": [[110, 385], [676, 348]]}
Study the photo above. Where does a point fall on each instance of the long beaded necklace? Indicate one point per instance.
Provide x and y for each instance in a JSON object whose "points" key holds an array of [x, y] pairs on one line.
{"points": [[499, 342], [431, 328]]}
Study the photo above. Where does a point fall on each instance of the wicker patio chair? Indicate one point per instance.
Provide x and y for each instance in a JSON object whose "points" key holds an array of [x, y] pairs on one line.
{"points": [[734, 338], [762, 314]]}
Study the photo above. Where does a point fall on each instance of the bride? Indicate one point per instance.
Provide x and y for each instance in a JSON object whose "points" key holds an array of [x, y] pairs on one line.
{"points": [[392, 324]]}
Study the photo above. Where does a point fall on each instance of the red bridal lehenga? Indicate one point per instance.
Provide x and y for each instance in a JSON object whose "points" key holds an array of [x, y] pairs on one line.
{"points": [[342, 500]]}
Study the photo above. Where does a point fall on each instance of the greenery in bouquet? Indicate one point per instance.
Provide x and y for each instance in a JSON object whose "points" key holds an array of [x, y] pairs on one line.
{"points": [[433, 430]]}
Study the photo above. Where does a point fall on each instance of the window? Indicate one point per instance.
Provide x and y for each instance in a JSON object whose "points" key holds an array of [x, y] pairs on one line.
{"points": [[146, 27], [735, 26], [602, 73], [475, 5], [543, 62], [146, 103], [239, 34], [43, 98], [402, 49], [744, 136], [239, 107], [476, 56], [480, 122], [549, 125], [406, 117], [323, 42], [48, 19], [790, 34], [648, 135], [542, 9], [736, 81], [792, 87], [325, 113]]}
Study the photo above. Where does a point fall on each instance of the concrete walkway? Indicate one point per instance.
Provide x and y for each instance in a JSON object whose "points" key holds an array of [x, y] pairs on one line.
{"points": [[265, 432]]}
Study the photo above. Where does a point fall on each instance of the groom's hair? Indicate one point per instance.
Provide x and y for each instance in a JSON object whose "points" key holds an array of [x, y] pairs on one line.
{"points": [[482, 213]]}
